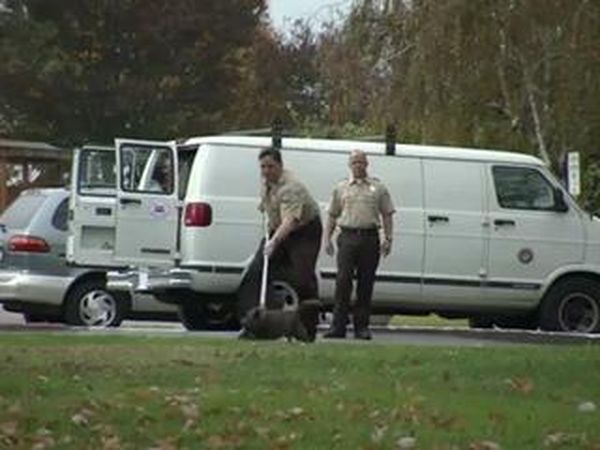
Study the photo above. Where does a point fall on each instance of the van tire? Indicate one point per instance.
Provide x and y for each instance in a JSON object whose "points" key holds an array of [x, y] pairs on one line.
{"points": [[89, 303], [484, 322], [281, 295], [572, 305], [215, 315]]}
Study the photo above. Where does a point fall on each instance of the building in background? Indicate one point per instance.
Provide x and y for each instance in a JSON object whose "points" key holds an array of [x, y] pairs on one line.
{"points": [[29, 164]]}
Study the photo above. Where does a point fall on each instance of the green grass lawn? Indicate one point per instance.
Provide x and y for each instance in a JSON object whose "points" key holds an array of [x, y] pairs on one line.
{"points": [[175, 392]]}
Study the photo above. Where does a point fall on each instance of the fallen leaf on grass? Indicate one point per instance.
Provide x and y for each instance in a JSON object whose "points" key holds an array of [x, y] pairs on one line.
{"points": [[165, 444], [191, 415], [43, 443], [111, 443], [406, 442], [520, 385], [224, 441], [484, 445], [79, 419], [586, 407], [378, 434], [9, 429], [560, 439]]}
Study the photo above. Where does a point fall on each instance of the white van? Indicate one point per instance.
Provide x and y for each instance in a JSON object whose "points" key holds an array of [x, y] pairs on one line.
{"points": [[487, 235]]}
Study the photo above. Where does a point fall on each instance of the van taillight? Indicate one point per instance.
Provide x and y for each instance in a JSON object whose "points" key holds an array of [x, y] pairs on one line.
{"points": [[198, 215], [31, 244]]}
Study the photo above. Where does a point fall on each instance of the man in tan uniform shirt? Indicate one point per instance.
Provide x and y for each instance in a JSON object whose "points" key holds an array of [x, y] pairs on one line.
{"points": [[295, 232], [359, 206]]}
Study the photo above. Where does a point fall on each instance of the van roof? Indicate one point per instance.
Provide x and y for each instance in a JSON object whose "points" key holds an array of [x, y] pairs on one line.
{"points": [[375, 148]]}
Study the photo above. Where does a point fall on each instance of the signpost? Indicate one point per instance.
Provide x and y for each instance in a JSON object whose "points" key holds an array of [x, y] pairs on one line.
{"points": [[573, 174]]}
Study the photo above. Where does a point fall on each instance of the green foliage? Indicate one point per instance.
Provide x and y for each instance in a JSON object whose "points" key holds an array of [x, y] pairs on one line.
{"points": [[94, 69]]}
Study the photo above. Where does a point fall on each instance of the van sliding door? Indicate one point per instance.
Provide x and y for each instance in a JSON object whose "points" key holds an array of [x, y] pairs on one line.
{"points": [[147, 203], [455, 259]]}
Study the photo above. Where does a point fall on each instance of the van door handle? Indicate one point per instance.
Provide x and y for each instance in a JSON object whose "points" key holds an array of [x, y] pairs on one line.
{"points": [[130, 201], [432, 219], [504, 223]]}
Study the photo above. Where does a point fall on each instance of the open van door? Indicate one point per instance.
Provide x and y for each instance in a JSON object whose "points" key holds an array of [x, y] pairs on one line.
{"points": [[92, 218], [148, 209]]}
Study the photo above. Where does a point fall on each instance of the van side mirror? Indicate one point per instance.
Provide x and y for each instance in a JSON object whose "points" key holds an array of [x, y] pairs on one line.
{"points": [[560, 205]]}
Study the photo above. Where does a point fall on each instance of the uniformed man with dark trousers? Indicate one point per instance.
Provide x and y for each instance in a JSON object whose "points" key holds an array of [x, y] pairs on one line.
{"points": [[362, 208], [295, 235]]}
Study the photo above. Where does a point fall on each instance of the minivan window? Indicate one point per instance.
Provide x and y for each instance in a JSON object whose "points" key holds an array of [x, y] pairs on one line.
{"points": [[97, 172], [59, 218], [21, 211], [522, 188]]}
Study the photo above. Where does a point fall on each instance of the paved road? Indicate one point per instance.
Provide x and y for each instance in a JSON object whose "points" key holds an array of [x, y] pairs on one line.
{"points": [[429, 336]]}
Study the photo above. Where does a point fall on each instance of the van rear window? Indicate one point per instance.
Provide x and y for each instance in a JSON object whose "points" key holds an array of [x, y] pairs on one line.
{"points": [[21, 211], [97, 172]]}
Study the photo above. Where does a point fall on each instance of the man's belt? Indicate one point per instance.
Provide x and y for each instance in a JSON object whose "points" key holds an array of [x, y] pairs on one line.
{"points": [[361, 231]]}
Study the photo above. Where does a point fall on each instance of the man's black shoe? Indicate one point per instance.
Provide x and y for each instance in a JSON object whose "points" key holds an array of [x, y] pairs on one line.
{"points": [[364, 334], [334, 334]]}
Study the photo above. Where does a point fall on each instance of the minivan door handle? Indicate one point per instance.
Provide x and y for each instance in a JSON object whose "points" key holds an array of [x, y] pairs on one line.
{"points": [[130, 201], [504, 223], [433, 219]]}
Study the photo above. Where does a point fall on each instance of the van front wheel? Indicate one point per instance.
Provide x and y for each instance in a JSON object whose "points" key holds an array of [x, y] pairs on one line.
{"points": [[572, 305]]}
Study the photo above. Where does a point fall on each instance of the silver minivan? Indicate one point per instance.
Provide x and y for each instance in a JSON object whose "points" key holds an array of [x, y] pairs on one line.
{"points": [[36, 281]]}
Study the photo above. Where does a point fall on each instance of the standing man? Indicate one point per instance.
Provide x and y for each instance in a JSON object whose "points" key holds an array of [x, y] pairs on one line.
{"points": [[295, 232], [359, 206]]}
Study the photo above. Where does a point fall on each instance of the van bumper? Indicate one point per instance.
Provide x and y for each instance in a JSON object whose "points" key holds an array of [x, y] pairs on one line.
{"points": [[148, 280]]}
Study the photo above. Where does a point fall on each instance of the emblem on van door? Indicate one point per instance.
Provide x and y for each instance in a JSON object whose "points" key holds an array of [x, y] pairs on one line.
{"points": [[525, 255], [159, 209]]}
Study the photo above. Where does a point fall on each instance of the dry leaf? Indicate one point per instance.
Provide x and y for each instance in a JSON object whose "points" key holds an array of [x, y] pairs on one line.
{"points": [[484, 445], [79, 419], [378, 434], [9, 429], [586, 407], [406, 442], [521, 385]]}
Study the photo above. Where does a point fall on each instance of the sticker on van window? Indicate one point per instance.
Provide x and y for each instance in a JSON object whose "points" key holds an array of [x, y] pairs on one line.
{"points": [[159, 209]]}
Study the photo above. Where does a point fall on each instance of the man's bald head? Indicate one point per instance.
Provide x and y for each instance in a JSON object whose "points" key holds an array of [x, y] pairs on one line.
{"points": [[358, 164]]}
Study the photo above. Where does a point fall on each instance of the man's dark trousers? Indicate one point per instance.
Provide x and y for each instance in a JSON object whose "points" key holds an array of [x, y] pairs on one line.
{"points": [[358, 253], [294, 261]]}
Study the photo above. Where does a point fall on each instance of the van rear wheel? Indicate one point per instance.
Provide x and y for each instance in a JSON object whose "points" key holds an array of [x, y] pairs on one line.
{"points": [[280, 295], [198, 314], [572, 305]]}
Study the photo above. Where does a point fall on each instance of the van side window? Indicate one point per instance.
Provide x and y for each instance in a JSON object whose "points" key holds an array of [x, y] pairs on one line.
{"points": [[522, 188]]}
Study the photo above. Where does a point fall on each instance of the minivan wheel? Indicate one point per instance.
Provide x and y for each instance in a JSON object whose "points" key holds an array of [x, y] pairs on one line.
{"points": [[90, 304], [572, 305]]}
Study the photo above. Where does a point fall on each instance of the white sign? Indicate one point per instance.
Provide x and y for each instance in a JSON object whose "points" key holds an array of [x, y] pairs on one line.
{"points": [[573, 172]]}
